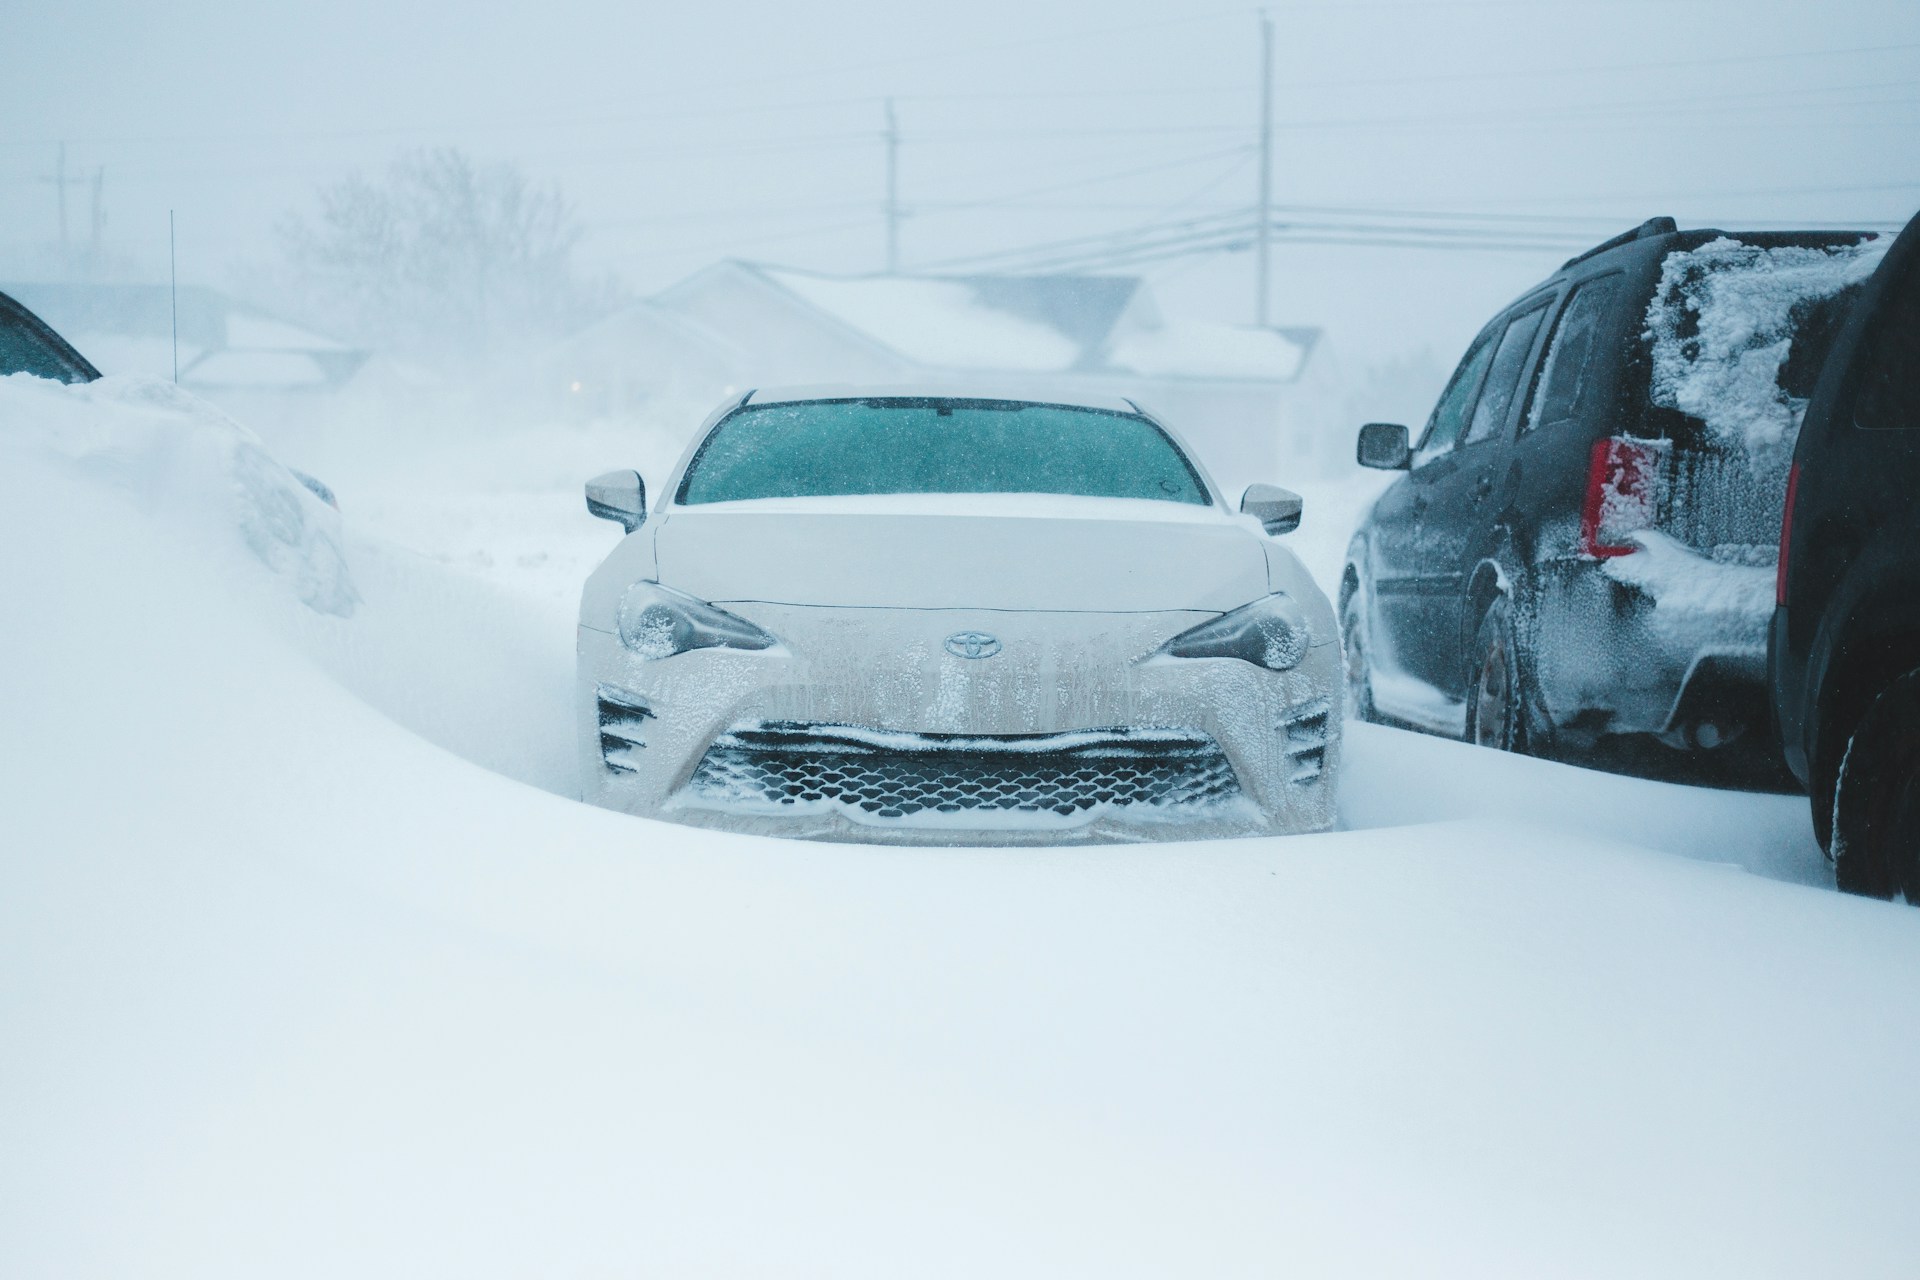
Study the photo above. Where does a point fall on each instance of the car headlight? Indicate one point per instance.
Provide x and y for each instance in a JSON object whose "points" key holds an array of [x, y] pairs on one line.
{"points": [[1271, 633], [658, 622]]}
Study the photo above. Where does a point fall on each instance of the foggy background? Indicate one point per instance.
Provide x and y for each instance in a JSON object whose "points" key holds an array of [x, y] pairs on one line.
{"points": [[678, 135]]}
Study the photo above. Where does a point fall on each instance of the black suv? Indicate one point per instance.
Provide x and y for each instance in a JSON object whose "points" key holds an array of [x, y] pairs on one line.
{"points": [[1584, 546], [1846, 634], [27, 345]]}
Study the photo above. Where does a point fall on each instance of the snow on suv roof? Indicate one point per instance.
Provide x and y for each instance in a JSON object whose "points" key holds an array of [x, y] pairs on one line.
{"points": [[937, 391]]}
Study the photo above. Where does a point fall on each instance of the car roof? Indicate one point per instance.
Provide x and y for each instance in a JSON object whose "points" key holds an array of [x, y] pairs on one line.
{"points": [[941, 391], [1658, 236]]}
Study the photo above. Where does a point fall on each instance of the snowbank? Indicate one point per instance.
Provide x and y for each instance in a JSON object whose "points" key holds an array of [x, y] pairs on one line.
{"points": [[293, 992], [178, 456], [1699, 601]]}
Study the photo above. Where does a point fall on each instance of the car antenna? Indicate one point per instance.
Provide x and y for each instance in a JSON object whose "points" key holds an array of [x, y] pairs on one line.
{"points": [[173, 298]]}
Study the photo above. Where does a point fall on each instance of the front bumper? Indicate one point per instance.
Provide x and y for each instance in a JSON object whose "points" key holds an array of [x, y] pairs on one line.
{"points": [[655, 735]]}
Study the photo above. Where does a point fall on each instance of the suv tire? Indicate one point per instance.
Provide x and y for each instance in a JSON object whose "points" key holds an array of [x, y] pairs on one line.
{"points": [[1359, 676], [1876, 798], [1496, 697]]}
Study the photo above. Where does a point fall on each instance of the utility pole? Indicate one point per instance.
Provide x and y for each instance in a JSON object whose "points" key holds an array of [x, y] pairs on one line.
{"points": [[61, 182], [893, 192], [98, 222], [1263, 217], [173, 298]]}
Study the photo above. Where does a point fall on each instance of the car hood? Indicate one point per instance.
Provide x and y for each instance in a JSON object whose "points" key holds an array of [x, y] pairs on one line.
{"points": [[989, 552]]}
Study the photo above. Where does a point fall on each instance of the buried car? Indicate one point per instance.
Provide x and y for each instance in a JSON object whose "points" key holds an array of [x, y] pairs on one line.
{"points": [[943, 619]]}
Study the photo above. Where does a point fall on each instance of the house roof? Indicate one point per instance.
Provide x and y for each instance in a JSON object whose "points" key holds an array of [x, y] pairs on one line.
{"points": [[1032, 325]]}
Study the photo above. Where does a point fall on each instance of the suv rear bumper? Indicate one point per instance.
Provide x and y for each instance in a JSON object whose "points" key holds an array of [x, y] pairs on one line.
{"points": [[1613, 657]]}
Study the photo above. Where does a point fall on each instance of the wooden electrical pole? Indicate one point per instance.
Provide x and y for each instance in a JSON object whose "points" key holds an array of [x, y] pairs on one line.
{"points": [[61, 182], [1264, 215], [893, 192]]}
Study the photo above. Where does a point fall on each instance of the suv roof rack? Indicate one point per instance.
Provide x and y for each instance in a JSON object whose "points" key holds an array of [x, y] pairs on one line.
{"points": [[1660, 226]]}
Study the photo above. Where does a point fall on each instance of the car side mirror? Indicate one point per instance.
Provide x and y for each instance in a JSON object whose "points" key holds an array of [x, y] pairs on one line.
{"points": [[620, 496], [1384, 447], [1277, 509]]}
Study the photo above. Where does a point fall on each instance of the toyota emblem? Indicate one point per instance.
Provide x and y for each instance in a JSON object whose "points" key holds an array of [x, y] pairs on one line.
{"points": [[972, 644]]}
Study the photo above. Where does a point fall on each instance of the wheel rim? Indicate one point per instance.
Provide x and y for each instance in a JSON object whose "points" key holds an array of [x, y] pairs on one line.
{"points": [[1493, 699], [1358, 693]]}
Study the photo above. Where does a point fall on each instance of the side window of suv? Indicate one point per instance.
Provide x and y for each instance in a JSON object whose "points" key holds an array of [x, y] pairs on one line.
{"points": [[1456, 402], [1503, 375], [1890, 381], [1565, 387]]}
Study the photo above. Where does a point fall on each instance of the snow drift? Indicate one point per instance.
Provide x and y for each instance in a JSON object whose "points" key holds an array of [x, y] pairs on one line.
{"points": [[292, 991]]}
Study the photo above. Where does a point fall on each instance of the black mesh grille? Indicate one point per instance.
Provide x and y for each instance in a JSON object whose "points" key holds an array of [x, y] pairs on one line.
{"points": [[899, 775]]}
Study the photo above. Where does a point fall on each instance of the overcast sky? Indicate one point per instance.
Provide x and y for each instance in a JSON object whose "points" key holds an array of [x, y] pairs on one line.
{"points": [[685, 132]]}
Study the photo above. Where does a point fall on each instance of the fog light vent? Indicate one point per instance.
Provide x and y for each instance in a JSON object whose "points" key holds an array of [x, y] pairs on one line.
{"points": [[623, 716], [1306, 735]]}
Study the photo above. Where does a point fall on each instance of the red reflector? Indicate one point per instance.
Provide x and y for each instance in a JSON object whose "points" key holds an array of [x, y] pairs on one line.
{"points": [[1786, 536], [1622, 476]]}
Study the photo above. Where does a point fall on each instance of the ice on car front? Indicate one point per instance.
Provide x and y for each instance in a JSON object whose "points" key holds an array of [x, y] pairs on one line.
{"points": [[926, 665]]}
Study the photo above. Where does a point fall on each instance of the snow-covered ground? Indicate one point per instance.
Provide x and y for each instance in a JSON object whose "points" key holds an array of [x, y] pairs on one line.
{"points": [[299, 984]]}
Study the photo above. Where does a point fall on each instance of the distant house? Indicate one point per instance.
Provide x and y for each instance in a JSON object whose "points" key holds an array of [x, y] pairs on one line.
{"points": [[1249, 398], [236, 355]]}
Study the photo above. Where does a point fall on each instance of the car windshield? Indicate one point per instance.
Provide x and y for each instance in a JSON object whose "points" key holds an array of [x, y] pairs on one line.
{"points": [[822, 448]]}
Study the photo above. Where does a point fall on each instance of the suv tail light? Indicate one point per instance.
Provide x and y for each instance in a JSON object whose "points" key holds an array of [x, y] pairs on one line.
{"points": [[1786, 536], [1622, 479]]}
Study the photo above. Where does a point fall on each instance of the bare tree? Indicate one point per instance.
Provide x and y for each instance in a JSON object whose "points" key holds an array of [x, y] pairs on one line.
{"points": [[443, 260]]}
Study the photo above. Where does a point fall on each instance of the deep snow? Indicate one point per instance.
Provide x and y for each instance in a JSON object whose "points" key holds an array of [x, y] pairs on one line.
{"points": [[295, 987]]}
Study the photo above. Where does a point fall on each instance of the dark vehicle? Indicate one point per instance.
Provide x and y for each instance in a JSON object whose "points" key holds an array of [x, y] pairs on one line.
{"points": [[1846, 634], [1584, 547], [27, 345]]}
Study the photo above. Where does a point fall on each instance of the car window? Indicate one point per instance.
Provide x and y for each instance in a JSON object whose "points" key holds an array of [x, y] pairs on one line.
{"points": [[24, 350], [1450, 415], [820, 448], [1890, 379], [1503, 375], [1568, 376]]}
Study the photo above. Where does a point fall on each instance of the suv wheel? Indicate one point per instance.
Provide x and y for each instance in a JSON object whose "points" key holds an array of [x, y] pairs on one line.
{"points": [[1359, 677], [1495, 707], [1876, 798]]}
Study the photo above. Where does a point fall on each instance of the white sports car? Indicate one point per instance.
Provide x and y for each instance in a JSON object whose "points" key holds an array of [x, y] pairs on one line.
{"points": [[917, 617]]}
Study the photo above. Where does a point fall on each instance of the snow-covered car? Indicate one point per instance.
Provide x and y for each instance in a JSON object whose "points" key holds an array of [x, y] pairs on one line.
{"points": [[1584, 546], [916, 617], [29, 345]]}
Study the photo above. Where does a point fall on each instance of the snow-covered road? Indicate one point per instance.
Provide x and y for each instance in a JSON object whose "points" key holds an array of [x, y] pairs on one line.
{"points": [[299, 984]]}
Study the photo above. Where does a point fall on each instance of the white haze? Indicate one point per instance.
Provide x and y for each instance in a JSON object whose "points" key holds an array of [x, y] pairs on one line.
{"points": [[684, 133]]}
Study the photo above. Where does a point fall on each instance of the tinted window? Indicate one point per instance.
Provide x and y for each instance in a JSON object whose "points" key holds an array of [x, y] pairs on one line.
{"points": [[24, 350], [1503, 376], [819, 448], [1571, 371], [1890, 378], [1450, 415]]}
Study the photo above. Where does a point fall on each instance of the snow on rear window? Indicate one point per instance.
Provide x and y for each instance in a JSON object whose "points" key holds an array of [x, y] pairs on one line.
{"points": [[1722, 326]]}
